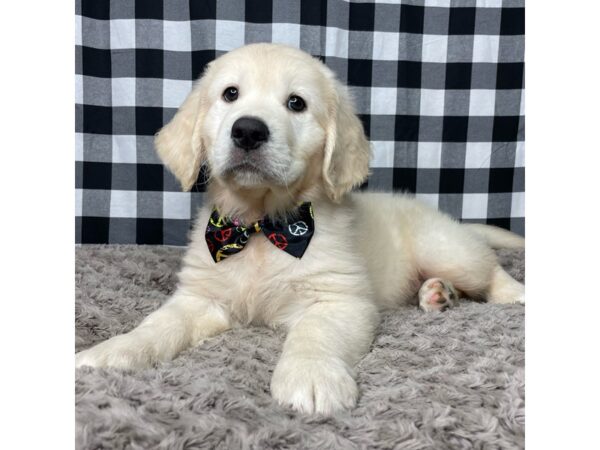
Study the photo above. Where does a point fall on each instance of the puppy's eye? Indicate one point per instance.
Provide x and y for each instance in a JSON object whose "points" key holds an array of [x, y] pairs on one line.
{"points": [[296, 103], [230, 94]]}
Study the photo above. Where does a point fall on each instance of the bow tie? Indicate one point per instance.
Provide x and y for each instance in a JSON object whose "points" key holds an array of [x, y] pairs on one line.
{"points": [[226, 236]]}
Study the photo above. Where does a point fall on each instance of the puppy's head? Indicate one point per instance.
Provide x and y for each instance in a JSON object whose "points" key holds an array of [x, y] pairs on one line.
{"points": [[267, 118]]}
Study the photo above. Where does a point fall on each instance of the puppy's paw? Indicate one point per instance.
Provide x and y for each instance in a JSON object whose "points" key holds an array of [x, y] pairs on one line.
{"points": [[317, 385], [437, 295], [125, 351]]}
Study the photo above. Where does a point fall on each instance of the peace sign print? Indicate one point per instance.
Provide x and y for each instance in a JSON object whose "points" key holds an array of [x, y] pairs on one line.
{"points": [[223, 235], [298, 228], [278, 240]]}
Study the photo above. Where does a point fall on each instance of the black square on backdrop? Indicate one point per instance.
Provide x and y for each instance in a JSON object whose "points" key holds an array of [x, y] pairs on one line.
{"points": [[366, 123], [258, 11], [149, 63], [458, 75], [412, 18], [512, 21], [149, 177], [94, 230], [452, 181], [200, 58], [362, 16], [506, 128], [406, 128], [313, 13], [455, 128], [462, 21], [204, 9], [510, 75], [95, 62], [148, 120], [405, 179], [502, 222], [149, 9], [97, 119], [96, 9], [501, 179], [96, 175], [409, 74], [149, 231], [360, 72]]}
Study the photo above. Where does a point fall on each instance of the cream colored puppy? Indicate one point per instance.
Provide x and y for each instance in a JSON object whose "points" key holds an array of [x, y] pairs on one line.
{"points": [[276, 129]]}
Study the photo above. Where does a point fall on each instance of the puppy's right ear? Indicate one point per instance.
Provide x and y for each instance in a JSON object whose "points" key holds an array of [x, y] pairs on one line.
{"points": [[179, 143]]}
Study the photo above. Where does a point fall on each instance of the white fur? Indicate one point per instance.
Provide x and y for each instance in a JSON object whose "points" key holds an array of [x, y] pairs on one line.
{"points": [[369, 251]]}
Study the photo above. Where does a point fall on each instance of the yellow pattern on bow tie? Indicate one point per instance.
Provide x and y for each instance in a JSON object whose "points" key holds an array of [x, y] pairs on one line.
{"points": [[221, 255]]}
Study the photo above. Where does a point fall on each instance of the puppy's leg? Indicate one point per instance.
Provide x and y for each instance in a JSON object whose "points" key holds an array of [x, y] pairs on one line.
{"points": [[445, 249], [504, 288], [315, 371], [185, 320]]}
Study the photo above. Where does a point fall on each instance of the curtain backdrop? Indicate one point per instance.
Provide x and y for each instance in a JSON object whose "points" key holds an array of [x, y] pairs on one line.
{"points": [[438, 85]]}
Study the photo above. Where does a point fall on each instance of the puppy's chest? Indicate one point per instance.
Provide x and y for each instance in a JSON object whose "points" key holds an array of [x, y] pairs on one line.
{"points": [[261, 282]]}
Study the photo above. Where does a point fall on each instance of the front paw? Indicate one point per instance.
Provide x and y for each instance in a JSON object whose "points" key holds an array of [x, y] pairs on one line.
{"points": [[314, 385], [125, 351]]}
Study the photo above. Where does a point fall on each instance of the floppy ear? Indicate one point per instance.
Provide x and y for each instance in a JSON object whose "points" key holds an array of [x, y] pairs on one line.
{"points": [[179, 143], [347, 150]]}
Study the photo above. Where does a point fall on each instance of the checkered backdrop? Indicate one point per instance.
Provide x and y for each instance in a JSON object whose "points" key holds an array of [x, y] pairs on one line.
{"points": [[438, 85]]}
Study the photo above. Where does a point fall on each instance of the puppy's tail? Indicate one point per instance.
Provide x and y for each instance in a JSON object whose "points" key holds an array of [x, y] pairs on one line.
{"points": [[497, 237]]}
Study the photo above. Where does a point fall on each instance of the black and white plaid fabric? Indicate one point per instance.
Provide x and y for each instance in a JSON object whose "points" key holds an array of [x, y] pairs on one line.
{"points": [[438, 85]]}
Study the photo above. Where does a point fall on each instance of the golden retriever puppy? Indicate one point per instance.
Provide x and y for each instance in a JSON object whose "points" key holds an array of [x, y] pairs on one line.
{"points": [[282, 242]]}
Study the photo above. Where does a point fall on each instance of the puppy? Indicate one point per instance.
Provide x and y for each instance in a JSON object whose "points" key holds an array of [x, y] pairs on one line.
{"points": [[283, 243]]}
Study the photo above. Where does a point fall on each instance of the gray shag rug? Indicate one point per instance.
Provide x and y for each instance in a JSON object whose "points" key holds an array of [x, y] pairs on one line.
{"points": [[431, 381]]}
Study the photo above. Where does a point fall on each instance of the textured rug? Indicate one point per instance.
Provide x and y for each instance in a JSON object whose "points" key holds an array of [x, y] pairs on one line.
{"points": [[431, 381]]}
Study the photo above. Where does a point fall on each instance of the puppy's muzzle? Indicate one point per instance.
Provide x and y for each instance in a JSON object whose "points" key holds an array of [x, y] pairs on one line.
{"points": [[249, 133]]}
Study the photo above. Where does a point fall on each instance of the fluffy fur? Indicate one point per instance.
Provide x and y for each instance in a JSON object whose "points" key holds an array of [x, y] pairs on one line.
{"points": [[369, 252]]}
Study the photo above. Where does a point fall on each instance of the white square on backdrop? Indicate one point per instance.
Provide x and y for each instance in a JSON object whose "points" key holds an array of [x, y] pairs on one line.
{"points": [[385, 46], [176, 205], [229, 35], [432, 102], [383, 100], [437, 3], [177, 36], [517, 205], [78, 146], [124, 149], [123, 91], [489, 3], [435, 48], [122, 33], [78, 26], [475, 206], [336, 42], [175, 92], [286, 33], [78, 202], [79, 89], [383, 154], [520, 154], [123, 203], [478, 155], [429, 155], [482, 102], [432, 200], [485, 48]]}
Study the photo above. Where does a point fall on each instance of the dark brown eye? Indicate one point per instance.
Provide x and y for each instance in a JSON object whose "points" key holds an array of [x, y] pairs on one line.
{"points": [[296, 103], [230, 94]]}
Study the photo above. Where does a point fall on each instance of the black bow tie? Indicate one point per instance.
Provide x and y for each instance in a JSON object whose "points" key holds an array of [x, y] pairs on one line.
{"points": [[225, 236]]}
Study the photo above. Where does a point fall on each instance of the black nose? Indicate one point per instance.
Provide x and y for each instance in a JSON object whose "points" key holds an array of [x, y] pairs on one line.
{"points": [[249, 133]]}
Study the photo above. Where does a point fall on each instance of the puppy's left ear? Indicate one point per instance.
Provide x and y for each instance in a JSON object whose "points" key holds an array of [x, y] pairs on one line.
{"points": [[179, 143], [347, 150]]}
